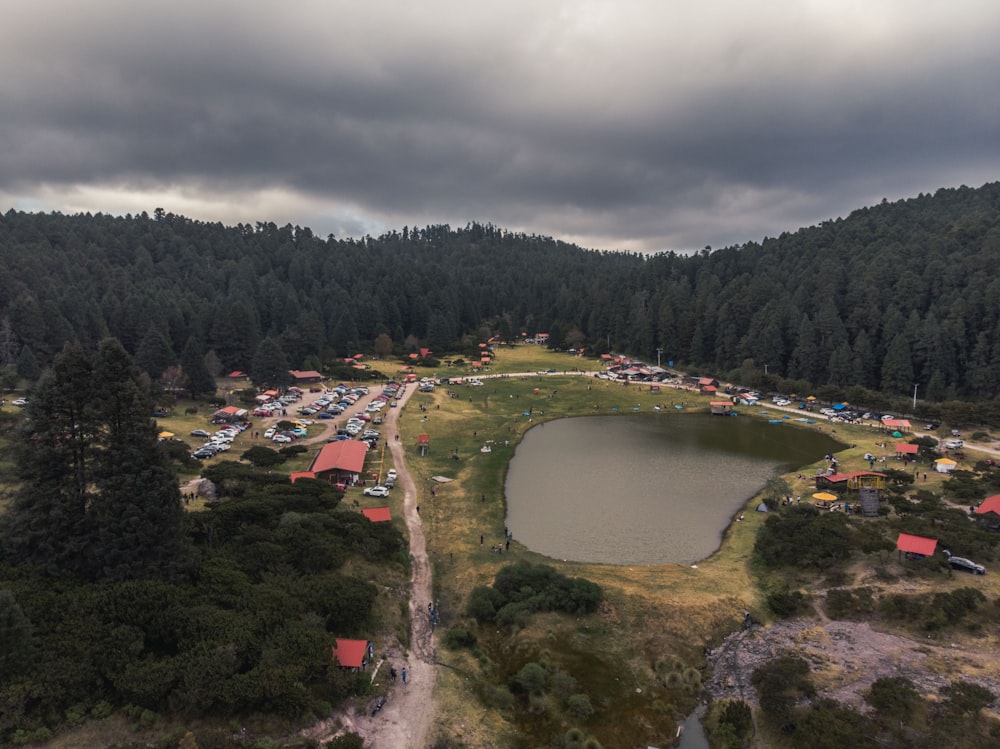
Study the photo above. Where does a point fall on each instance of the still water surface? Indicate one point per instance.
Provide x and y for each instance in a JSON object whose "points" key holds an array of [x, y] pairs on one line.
{"points": [[645, 488]]}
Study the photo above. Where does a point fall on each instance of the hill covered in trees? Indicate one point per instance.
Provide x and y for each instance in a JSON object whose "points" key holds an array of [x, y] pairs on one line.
{"points": [[892, 296]]}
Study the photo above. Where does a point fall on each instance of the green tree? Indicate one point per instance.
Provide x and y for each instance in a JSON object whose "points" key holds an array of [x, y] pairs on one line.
{"points": [[17, 645], [27, 365], [270, 365], [154, 353], [48, 522], [897, 367], [96, 496], [138, 506], [200, 380]]}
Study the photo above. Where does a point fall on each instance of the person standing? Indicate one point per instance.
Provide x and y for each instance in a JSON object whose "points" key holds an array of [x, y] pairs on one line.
{"points": [[404, 674]]}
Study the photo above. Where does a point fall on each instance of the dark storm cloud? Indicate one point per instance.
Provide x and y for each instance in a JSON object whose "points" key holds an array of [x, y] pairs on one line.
{"points": [[617, 125]]}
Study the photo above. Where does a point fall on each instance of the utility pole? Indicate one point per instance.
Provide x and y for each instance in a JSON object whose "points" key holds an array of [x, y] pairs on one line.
{"points": [[914, 397], [658, 352]]}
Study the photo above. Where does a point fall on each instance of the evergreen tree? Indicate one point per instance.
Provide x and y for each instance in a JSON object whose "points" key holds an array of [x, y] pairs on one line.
{"points": [[199, 380], [154, 354], [897, 367], [97, 497], [48, 523], [16, 642], [138, 508], [270, 365], [27, 365]]}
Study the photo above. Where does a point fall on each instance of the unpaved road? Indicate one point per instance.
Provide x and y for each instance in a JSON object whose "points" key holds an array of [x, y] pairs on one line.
{"points": [[408, 715]]}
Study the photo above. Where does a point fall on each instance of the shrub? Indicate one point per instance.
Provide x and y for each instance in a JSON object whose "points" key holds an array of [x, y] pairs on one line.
{"points": [[459, 637], [531, 678], [578, 706], [787, 603]]}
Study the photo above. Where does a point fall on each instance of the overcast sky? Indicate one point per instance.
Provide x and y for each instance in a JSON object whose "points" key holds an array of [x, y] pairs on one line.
{"points": [[636, 125]]}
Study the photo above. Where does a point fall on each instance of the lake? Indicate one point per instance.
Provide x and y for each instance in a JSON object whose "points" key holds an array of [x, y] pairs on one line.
{"points": [[645, 488]]}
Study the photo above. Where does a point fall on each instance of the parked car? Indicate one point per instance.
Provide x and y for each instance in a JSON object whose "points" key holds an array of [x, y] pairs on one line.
{"points": [[392, 474], [20, 402], [376, 491], [954, 444], [964, 565], [200, 433]]}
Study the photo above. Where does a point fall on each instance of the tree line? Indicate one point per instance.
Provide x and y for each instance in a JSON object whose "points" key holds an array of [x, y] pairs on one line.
{"points": [[891, 297]]}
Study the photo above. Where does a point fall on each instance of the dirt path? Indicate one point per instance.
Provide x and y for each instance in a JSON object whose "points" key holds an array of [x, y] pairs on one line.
{"points": [[408, 715]]}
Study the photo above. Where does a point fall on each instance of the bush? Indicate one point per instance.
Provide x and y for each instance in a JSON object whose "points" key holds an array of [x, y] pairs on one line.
{"points": [[459, 637], [578, 707], [844, 603], [787, 603]]}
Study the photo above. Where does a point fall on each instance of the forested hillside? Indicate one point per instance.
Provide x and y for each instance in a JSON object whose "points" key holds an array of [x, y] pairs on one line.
{"points": [[894, 295]]}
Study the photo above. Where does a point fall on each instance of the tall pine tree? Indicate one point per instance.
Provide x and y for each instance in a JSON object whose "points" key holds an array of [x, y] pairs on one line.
{"points": [[97, 497]]}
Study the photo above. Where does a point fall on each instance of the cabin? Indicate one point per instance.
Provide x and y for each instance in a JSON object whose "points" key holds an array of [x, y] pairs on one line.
{"points": [[305, 376], [339, 462]]}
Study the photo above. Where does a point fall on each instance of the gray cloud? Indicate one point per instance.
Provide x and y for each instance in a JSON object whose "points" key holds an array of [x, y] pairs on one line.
{"points": [[638, 125]]}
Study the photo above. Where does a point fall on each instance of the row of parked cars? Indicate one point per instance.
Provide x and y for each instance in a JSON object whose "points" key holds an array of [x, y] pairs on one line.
{"points": [[221, 441]]}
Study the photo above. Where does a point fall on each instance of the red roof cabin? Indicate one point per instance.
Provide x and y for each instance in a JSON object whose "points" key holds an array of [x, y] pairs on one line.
{"points": [[989, 509], [350, 653], [915, 547], [339, 462], [905, 448], [307, 376]]}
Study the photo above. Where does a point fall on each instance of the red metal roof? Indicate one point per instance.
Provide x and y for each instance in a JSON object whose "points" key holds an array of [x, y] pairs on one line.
{"points": [[307, 374], [907, 449], [345, 455], [990, 504], [916, 544], [350, 653], [301, 475], [377, 514]]}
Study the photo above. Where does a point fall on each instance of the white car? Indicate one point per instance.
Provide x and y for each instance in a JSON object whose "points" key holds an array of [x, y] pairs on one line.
{"points": [[391, 474], [20, 402], [376, 491], [269, 432], [281, 438]]}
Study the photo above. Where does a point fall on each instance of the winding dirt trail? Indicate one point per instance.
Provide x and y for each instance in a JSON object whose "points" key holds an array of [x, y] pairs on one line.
{"points": [[408, 715]]}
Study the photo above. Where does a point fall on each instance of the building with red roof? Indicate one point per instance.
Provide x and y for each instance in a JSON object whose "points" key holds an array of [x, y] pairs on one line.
{"points": [[915, 546], [350, 653], [905, 448], [377, 514], [229, 414], [990, 507], [339, 462], [307, 375]]}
